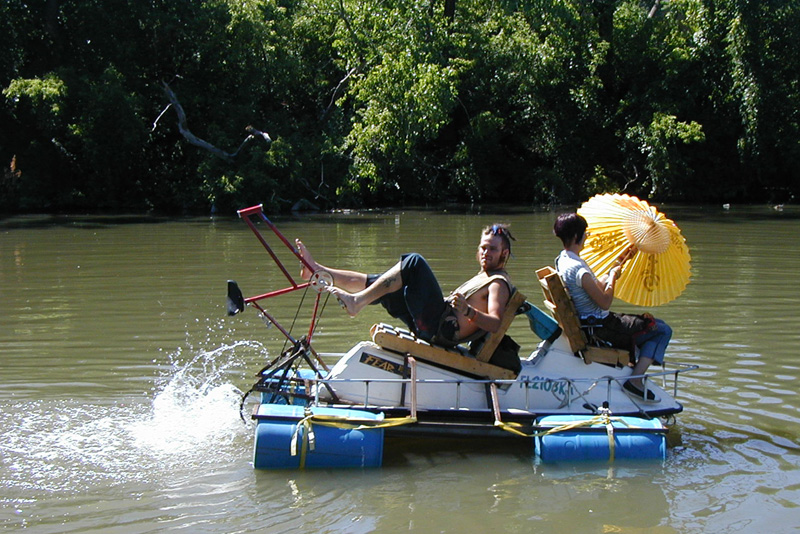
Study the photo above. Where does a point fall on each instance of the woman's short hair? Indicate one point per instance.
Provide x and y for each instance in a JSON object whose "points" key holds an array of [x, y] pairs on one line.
{"points": [[570, 227]]}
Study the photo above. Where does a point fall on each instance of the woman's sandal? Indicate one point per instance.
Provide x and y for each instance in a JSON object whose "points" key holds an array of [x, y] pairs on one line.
{"points": [[646, 396]]}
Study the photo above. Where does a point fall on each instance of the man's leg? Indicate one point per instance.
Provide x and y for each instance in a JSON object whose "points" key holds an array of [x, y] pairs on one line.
{"points": [[387, 283], [408, 291], [350, 281], [422, 296]]}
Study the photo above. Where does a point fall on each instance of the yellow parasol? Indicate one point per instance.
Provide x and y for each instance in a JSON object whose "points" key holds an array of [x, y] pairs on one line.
{"points": [[659, 271]]}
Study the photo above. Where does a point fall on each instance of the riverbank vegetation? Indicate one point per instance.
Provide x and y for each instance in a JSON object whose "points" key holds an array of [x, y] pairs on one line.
{"points": [[217, 104]]}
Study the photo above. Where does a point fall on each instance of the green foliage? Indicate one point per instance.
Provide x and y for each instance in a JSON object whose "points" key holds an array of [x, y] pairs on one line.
{"points": [[659, 142], [396, 101], [44, 95]]}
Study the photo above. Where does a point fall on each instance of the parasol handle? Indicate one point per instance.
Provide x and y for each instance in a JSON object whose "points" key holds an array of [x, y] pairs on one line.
{"points": [[623, 258]]}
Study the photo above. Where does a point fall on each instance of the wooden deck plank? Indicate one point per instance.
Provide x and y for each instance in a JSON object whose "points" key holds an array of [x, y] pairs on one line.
{"points": [[393, 339]]}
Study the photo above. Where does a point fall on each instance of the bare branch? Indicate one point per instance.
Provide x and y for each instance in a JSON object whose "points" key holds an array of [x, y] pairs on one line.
{"points": [[654, 9], [336, 89], [193, 139], [155, 122]]}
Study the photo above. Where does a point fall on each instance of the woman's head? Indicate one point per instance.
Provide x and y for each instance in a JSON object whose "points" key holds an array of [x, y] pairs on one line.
{"points": [[570, 228]]}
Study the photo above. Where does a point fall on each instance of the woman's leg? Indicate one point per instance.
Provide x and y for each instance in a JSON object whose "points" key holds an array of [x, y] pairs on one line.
{"points": [[652, 347], [640, 368], [653, 344]]}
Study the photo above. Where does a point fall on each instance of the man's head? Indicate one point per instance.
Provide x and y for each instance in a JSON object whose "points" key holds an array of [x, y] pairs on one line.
{"points": [[570, 228], [495, 247]]}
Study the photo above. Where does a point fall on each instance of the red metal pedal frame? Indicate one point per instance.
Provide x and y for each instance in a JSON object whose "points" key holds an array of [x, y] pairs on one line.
{"points": [[257, 211]]}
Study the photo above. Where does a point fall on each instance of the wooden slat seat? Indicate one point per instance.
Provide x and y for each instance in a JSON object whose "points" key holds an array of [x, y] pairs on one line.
{"points": [[558, 301], [457, 358], [493, 339]]}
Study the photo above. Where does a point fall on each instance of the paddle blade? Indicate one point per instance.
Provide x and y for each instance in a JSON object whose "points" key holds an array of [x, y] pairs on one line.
{"points": [[235, 302]]}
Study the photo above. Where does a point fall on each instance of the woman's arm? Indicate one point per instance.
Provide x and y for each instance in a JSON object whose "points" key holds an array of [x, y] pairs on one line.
{"points": [[601, 290]]}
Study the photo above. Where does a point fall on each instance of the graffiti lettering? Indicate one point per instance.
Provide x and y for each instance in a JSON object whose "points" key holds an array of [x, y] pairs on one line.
{"points": [[380, 363], [557, 387]]}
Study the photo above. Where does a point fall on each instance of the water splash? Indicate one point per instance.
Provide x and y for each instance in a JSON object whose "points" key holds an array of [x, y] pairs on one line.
{"points": [[195, 409], [70, 445]]}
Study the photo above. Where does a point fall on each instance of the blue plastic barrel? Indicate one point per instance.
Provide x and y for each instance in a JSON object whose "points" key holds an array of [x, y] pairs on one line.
{"points": [[293, 389], [333, 447], [634, 438]]}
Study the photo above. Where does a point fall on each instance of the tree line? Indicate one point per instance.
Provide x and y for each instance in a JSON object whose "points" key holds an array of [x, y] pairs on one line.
{"points": [[194, 105]]}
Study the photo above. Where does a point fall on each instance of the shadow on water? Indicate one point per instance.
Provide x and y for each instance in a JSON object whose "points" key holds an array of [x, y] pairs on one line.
{"points": [[407, 451], [43, 222]]}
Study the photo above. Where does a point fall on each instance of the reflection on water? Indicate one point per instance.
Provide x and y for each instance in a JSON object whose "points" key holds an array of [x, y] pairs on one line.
{"points": [[121, 382]]}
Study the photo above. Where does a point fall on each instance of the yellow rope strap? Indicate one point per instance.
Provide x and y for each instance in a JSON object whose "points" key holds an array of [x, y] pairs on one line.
{"points": [[360, 423], [601, 419], [336, 421], [513, 428]]}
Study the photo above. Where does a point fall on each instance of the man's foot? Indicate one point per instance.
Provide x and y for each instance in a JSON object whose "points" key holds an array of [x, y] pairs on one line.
{"points": [[305, 273], [643, 395], [350, 302]]}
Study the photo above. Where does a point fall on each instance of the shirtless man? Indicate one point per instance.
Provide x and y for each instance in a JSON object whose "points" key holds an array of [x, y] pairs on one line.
{"points": [[410, 292]]}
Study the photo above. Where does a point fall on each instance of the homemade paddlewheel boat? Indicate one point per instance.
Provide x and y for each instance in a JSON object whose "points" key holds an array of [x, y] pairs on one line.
{"points": [[566, 399]]}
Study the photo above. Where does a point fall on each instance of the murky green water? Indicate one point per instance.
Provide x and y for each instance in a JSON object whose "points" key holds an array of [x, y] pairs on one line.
{"points": [[120, 380]]}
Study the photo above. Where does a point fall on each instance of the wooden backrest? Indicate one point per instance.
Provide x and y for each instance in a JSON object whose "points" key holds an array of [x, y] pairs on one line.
{"points": [[558, 301], [493, 339]]}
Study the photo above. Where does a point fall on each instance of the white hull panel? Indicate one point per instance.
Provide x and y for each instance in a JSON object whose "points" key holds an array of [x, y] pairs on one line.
{"points": [[558, 383]]}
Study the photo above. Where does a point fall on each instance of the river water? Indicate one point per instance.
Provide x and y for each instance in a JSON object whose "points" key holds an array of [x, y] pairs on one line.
{"points": [[120, 381]]}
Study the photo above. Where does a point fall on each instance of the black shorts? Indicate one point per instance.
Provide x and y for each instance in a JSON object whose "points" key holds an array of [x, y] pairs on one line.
{"points": [[620, 330]]}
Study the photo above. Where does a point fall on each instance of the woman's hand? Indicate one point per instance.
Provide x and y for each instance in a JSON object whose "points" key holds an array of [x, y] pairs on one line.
{"points": [[616, 269], [627, 254]]}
